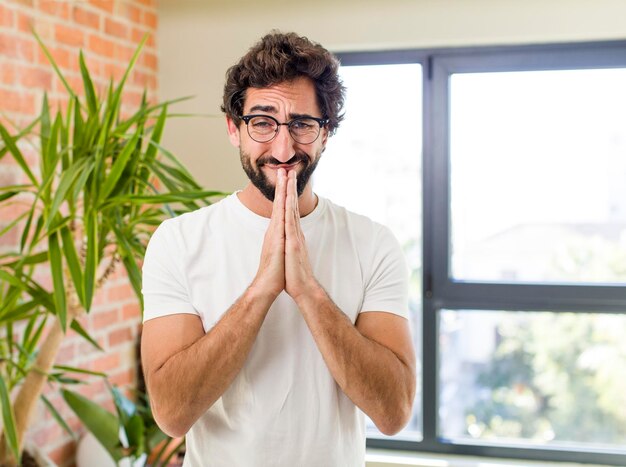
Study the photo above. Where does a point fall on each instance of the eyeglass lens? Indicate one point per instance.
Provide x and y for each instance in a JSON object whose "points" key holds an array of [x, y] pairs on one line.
{"points": [[303, 130]]}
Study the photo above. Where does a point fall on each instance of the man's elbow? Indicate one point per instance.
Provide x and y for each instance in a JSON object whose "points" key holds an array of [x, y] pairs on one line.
{"points": [[395, 420], [171, 424]]}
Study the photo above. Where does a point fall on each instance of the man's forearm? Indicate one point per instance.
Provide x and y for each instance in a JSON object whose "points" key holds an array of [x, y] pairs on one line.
{"points": [[187, 384], [377, 380]]}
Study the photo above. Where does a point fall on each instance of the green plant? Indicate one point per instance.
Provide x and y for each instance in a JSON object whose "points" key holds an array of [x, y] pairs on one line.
{"points": [[104, 182], [130, 432]]}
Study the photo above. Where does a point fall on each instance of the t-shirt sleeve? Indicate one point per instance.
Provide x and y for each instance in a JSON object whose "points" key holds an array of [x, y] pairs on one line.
{"points": [[388, 286], [163, 285]]}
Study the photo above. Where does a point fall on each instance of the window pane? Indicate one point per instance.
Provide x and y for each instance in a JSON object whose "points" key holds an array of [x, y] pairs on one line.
{"points": [[538, 171], [533, 377], [373, 166]]}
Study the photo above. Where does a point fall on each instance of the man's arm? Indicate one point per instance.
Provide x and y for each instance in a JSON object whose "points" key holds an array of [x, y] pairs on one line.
{"points": [[187, 370], [374, 361]]}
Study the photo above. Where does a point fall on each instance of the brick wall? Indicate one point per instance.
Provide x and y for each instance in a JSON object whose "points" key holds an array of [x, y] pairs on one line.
{"points": [[108, 32]]}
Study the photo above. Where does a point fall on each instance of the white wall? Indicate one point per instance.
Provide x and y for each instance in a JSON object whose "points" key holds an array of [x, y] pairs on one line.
{"points": [[199, 39]]}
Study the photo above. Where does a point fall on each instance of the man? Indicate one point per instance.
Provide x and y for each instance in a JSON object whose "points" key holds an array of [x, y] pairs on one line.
{"points": [[273, 319]]}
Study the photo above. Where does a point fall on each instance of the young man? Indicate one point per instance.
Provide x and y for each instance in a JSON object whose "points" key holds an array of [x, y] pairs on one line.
{"points": [[273, 319]]}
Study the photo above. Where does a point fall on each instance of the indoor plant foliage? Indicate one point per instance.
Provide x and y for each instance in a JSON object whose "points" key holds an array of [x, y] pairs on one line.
{"points": [[102, 185]]}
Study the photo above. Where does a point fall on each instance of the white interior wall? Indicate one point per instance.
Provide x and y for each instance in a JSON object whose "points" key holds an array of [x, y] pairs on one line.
{"points": [[198, 40]]}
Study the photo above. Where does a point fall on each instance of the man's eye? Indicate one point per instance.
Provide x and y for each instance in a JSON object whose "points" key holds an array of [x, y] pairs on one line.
{"points": [[302, 125], [262, 124]]}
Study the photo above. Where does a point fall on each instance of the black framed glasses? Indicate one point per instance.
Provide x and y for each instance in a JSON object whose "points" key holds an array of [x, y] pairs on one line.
{"points": [[264, 128]]}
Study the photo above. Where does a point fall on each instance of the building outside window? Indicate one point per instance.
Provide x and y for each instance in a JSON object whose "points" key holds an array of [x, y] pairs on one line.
{"points": [[502, 172]]}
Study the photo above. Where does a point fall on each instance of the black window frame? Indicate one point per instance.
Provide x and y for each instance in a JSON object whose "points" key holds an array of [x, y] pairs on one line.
{"points": [[440, 291]]}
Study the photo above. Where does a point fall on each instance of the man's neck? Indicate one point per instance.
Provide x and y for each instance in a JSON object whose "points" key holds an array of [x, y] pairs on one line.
{"points": [[254, 200]]}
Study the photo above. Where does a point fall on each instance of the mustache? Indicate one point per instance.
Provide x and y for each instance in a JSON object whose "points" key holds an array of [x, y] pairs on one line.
{"points": [[298, 157]]}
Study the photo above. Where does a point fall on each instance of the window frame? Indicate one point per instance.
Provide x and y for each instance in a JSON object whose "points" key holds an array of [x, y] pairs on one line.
{"points": [[440, 291]]}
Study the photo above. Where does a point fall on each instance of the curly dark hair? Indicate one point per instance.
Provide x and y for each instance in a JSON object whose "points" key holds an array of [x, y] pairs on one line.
{"points": [[281, 57]]}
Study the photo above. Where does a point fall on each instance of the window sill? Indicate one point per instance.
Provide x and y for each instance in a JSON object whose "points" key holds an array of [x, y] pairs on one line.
{"points": [[388, 458]]}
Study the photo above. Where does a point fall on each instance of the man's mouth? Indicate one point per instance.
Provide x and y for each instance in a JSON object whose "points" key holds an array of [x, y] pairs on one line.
{"points": [[287, 167]]}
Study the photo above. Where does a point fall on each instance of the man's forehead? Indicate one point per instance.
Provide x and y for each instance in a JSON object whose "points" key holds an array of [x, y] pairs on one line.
{"points": [[298, 93]]}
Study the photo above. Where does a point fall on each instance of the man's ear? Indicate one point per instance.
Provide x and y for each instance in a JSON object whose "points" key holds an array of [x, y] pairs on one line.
{"points": [[233, 132]]}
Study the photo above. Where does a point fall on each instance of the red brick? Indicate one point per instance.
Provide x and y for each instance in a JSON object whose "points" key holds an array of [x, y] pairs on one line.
{"points": [[102, 319], [8, 46], [106, 5], [150, 20], [92, 390], [61, 56], [133, 13], [6, 16], [124, 378], [13, 101], [115, 28], [101, 46], [105, 364], [24, 22], [123, 54], [69, 35], [120, 292], [119, 336], [137, 36], [86, 18], [7, 74], [55, 8], [150, 60], [26, 49], [32, 77], [131, 311], [67, 352]]}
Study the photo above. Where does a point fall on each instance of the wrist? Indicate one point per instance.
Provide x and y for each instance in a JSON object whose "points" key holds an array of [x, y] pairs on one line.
{"points": [[311, 293], [257, 292]]}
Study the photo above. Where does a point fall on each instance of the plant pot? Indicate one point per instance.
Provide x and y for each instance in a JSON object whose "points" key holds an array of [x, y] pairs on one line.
{"points": [[90, 453]]}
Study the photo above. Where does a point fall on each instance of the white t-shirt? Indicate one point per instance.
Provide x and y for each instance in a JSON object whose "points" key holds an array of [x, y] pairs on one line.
{"points": [[284, 407]]}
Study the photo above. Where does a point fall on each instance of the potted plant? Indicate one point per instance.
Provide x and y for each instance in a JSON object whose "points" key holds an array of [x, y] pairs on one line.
{"points": [[129, 435], [103, 183]]}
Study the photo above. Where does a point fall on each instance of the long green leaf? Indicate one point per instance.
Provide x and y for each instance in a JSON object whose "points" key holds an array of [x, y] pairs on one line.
{"points": [[73, 369], [45, 131], [88, 85], [73, 263], [118, 166], [91, 259], [56, 266], [54, 64], [65, 183], [81, 331], [102, 424], [55, 414], [17, 154], [8, 420]]}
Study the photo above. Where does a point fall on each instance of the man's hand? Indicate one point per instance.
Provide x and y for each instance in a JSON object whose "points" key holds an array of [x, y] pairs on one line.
{"points": [[270, 277], [298, 273]]}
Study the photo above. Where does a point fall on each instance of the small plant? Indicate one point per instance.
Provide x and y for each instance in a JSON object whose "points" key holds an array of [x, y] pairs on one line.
{"points": [[103, 183], [129, 433]]}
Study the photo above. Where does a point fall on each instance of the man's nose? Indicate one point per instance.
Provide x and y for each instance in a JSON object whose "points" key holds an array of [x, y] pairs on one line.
{"points": [[283, 145]]}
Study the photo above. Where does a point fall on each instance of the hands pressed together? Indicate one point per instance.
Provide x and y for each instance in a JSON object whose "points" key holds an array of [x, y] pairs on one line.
{"points": [[284, 261]]}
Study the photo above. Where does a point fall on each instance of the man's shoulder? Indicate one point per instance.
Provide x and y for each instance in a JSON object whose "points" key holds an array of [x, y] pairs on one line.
{"points": [[351, 218]]}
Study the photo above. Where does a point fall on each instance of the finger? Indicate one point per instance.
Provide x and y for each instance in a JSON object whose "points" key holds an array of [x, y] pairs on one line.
{"points": [[278, 208], [292, 217]]}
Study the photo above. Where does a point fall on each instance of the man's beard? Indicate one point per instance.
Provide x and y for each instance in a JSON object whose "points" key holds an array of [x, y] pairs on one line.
{"points": [[260, 180]]}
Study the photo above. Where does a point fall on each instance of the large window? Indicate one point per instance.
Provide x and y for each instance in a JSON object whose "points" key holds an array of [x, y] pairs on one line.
{"points": [[502, 171]]}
